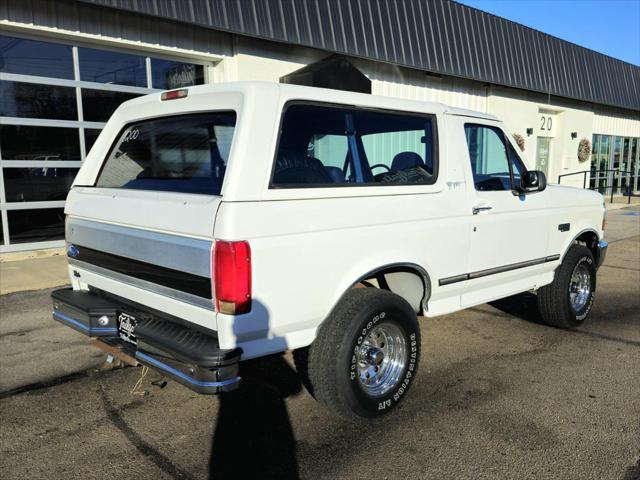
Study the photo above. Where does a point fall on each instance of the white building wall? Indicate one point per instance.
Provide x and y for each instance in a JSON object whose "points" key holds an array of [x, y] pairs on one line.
{"points": [[392, 81], [610, 121], [522, 110]]}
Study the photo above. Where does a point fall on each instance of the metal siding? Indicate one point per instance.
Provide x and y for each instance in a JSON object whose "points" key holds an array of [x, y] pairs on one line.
{"points": [[113, 24], [440, 36]]}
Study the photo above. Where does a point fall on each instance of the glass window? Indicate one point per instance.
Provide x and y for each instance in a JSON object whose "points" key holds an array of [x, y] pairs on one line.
{"points": [[1, 231], [187, 153], [99, 105], [19, 142], [169, 74], [32, 100], [104, 66], [322, 145], [90, 137], [490, 158], [36, 225], [38, 184], [31, 57]]}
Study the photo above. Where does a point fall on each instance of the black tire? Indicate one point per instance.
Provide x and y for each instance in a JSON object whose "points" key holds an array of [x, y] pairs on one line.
{"points": [[554, 300], [335, 355]]}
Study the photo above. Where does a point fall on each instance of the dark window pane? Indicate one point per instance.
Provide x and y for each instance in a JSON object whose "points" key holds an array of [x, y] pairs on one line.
{"points": [[168, 74], [112, 67], [31, 57], [1, 232], [37, 184], [32, 100], [186, 153], [322, 145], [98, 105], [90, 137], [39, 225], [19, 142]]}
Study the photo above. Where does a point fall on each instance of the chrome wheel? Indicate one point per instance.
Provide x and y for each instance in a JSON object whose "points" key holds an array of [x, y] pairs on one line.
{"points": [[579, 287], [382, 358]]}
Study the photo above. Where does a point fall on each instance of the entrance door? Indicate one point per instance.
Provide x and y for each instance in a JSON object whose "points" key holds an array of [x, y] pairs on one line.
{"points": [[543, 154]]}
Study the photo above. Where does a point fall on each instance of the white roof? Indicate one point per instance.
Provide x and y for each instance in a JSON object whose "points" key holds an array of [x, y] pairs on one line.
{"points": [[299, 92]]}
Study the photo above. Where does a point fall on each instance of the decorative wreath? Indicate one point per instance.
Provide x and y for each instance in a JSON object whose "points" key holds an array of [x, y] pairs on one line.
{"points": [[519, 140], [584, 150]]}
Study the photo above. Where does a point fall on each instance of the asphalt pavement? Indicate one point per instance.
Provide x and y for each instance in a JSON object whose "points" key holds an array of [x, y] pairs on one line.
{"points": [[498, 395]]}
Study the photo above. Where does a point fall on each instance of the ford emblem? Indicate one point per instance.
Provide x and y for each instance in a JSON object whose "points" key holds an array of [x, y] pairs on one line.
{"points": [[73, 251]]}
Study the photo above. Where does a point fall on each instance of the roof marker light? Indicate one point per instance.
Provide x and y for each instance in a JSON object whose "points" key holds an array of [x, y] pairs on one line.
{"points": [[173, 94]]}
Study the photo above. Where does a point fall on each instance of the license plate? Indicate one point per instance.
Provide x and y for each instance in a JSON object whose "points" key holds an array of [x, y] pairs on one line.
{"points": [[126, 327]]}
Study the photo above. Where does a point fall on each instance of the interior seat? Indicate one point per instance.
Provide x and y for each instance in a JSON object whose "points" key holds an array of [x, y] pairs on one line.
{"points": [[336, 174], [296, 168], [406, 160]]}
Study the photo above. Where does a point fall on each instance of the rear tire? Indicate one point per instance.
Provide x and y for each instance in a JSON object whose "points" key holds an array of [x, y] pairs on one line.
{"points": [[365, 356], [567, 301]]}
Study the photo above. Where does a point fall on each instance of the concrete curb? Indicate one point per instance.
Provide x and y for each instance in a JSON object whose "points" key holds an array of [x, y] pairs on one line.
{"points": [[33, 274]]}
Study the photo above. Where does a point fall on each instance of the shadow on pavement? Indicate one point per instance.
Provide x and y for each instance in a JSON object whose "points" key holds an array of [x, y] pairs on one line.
{"points": [[523, 306], [253, 437]]}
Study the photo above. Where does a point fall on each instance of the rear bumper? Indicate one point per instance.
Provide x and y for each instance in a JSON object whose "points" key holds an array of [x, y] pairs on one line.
{"points": [[188, 356], [602, 252]]}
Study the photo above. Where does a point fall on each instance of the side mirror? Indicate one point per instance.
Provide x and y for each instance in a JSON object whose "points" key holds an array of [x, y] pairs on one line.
{"points": [[533, 181]]}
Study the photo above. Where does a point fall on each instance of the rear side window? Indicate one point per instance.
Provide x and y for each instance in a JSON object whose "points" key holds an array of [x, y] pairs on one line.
{"points": [[326, 146], [186, 153]]}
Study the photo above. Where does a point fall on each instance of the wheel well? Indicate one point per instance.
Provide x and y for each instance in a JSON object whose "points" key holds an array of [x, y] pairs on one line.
{"points": [[590, 240], [408, 281]]}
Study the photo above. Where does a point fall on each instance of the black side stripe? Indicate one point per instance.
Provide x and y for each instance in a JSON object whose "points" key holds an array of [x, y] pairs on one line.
{"points": [[492, 271]]}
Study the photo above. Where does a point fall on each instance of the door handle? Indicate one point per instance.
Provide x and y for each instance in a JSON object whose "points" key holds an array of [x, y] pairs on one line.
{"points": [[478, 209]]}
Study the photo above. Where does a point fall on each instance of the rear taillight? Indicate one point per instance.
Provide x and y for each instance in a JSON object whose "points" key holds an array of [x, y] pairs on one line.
{"points": [[232, 277]]}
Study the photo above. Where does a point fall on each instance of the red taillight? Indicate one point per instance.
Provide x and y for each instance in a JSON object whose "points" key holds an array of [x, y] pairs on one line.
{"points": [[232, 277], [173, 94]]}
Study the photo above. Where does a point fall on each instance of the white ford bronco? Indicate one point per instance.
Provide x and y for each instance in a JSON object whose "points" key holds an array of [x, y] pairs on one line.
{"points": [[220, 223]]}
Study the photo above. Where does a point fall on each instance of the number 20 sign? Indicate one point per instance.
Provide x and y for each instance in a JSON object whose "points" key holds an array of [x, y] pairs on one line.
{"points": [[546, 125]]}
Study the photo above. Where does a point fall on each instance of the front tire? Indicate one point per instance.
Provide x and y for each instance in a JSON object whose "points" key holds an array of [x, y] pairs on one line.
{"points": [[567, 302], [365, 356]]}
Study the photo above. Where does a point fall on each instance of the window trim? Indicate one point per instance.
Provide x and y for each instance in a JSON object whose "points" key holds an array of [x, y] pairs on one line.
{"points": [[343, 106], [502, 135], [114, 143]]}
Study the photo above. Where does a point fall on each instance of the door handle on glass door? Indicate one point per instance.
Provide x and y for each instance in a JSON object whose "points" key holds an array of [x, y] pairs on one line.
{"points": [[480, 208]]}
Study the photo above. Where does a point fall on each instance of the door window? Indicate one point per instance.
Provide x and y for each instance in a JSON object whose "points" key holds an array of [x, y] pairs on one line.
{"points": [[494, 162]]}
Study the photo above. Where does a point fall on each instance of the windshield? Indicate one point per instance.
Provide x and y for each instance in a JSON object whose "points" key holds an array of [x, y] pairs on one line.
{"points": [[186, 153]]}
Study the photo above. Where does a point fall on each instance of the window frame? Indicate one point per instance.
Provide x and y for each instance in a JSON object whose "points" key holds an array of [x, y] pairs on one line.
{"points": [[117, 137], [346, 106], [75, 42], [505, 141]]}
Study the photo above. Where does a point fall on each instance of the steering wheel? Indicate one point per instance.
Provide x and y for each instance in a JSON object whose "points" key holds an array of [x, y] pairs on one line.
{"points": [[377, 165]]}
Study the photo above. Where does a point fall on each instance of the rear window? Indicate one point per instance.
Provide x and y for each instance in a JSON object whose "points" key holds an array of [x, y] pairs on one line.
{"points": [[322, 145], [186, 153]]}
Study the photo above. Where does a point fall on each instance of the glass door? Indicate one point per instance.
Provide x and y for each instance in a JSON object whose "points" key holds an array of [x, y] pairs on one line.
{"points": [[616, 156], [625, 165], [635, 163], [593, 176], [543, 151], [603, 178]]}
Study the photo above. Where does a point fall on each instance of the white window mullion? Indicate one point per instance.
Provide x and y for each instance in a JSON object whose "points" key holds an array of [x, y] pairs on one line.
{"points": [[3, 212], [112, 87], [76, 75], [147, 62]]}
